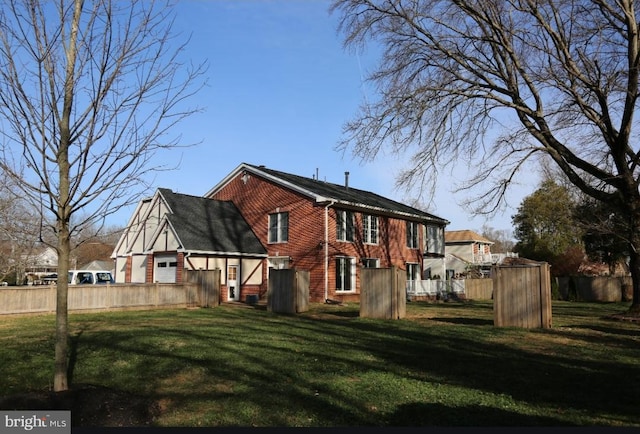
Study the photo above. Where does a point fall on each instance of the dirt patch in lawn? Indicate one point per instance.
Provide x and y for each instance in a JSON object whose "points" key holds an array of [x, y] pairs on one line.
{"points": [[90, 406]]}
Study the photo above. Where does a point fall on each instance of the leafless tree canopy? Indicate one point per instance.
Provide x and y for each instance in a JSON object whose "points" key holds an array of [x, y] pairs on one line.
{"points": [[95, 85], [498, 82], [18, 234]]}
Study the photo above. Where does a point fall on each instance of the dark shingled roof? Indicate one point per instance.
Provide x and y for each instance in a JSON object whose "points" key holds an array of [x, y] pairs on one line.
{"points": [[349, 195], [209, 225]]}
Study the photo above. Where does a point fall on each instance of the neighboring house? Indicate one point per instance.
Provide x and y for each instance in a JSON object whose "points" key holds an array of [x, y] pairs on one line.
{"points": [[98, 266], [465, 251], [170, 232], [469, 246], [41, 267], [330, 230]]}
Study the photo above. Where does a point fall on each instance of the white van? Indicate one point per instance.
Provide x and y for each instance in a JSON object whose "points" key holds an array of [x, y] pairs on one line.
{"points": [[89, 277]]}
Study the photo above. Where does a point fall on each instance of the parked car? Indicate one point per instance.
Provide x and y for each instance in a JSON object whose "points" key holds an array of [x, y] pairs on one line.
{"points": [[90, 277]]}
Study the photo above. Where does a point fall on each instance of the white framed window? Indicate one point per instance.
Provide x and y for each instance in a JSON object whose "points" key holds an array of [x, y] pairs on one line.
{"points": [[435, 239], [370, 229], [345, 274], [412, 235], [413, 271], [279, 227], [345, 226]]}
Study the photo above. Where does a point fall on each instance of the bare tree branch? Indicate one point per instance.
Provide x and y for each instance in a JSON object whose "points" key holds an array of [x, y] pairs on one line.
{"points": [[558, 78]]}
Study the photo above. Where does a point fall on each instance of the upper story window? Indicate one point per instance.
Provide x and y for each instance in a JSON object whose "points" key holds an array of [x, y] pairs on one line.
{"points": [[370, 229], [412, 235], [344, 225], [279, 227], [435, 239]]}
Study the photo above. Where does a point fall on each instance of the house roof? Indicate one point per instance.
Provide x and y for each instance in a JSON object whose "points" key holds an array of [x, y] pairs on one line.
{"points": [[326, 192], [465, 236], [97, 265], [208, 225]]}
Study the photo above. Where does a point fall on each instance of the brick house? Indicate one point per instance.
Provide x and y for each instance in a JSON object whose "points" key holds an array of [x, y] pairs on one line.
{"points": [[331, 230], [171, 232]]}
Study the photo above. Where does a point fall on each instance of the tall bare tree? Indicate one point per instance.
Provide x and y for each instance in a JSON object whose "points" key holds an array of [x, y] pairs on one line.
{"points": [[19, 237], [89, 93], [500, 82]]}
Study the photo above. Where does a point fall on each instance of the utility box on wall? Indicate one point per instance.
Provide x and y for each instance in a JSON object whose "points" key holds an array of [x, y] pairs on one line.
{"points": [[383, 293], [522, 296], [288, 291]]}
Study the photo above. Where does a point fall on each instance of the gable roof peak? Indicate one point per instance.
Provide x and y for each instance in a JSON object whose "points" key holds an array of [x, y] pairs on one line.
{"points": [[209, 225]]}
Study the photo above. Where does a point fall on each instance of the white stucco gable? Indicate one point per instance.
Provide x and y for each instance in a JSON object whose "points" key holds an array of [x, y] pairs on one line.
{"points": [[143, 229], [164, 238]]}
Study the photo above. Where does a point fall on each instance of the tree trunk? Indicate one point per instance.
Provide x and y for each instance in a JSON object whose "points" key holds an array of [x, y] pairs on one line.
{"points": [[63, 217], [634, 248], [60, 379], [634, 268]]}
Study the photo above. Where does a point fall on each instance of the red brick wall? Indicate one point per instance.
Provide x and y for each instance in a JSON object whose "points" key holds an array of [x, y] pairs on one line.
{"points": [[257, 198], [127, 269], [391, 249], [180, 268], [149, 278]]}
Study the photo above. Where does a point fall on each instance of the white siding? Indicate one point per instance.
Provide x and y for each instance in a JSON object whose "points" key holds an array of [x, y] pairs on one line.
{"points": [[138, 268]]}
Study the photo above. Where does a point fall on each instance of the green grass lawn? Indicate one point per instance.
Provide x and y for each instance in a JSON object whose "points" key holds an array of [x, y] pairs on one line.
{"points": [[443, 365]]}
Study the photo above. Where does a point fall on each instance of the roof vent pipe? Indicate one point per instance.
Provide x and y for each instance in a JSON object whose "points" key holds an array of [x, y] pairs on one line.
{"points": [[346, 179]]}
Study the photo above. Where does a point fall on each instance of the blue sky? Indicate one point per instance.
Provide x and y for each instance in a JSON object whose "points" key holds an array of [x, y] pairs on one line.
{"points": [[281, 86]]}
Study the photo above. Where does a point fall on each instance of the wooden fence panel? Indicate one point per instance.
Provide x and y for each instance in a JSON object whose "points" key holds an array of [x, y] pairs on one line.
{"points": [[595, 288], [522, 296], [28, 299], [478, 289], [208, 282], [288, 291], [302, 290], [383, 293], [98, 297]]}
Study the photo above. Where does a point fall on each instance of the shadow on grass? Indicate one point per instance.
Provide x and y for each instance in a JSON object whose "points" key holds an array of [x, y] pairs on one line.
{"points": [[465, 321], [246, 367], [433, 414], [275, 380]]}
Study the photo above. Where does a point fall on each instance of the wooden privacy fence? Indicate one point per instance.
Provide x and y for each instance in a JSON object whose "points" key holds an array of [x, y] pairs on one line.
{"points": [[99, 297], [208, 282], [522, 296], [288, 291], [478, 289], [383, 293], [595, 288], [470, 289]]}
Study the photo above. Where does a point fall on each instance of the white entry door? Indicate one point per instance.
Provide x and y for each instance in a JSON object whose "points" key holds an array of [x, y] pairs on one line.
{"points": [[233, 289]]}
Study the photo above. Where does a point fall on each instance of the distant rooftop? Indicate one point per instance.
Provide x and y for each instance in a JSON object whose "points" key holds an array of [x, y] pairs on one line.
{"points": [[465, 236]]}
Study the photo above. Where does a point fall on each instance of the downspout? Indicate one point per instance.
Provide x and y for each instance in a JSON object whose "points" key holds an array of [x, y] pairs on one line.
{"points": [[326, 249], [185, 261]]}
